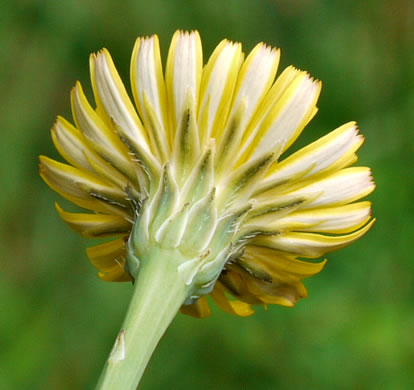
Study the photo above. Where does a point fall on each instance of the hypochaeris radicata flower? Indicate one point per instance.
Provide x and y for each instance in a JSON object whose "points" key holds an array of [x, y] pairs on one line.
{"points": [[194, 166]]}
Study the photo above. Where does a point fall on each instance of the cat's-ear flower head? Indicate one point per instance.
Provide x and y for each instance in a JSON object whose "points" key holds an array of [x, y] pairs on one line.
{"points": [[194, 166]]}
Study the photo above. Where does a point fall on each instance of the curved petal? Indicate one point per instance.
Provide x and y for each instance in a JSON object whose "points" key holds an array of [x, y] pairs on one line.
{"points": [[255, 78], [77, 151], [103, 139], [217, 87], [148, 88], [333, 189], [80, 183], [253, 290], [95, 225], [114, 104], [112, 99], [333, 220], [259, 260], [331, 152], [286, 119], [344, 186], [235, 307], [109, 259], [183, 77], [82, 188], [309, 244]]}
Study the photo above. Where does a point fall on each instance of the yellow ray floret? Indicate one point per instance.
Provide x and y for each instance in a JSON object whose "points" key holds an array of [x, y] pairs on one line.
{"points": [[148, 88], [110, 259], [95, 225], [309, 244]]}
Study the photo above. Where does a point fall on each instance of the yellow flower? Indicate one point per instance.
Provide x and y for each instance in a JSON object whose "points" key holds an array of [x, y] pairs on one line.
{"points": [[195, 168]]}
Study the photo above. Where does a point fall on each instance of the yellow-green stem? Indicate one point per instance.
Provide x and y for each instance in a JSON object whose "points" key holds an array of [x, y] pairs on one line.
{"points": [[158, 294]]}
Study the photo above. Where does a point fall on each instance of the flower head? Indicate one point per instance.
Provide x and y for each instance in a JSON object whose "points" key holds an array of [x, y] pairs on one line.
{"points": [[195, 166]]}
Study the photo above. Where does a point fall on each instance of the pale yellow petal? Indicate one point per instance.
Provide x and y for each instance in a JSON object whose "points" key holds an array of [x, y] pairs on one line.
{"points": [[273, 95], [148, 88], [333, 189], [217, 87], [82, 188], [112, 99], [285, 120], [344, 186], [183, 77], [309, 244], [201, 180], [331, 152], [79, 152], [335, 220], [103, 139], [95, 225], [255, 78], [186, 148], [78, 182]]}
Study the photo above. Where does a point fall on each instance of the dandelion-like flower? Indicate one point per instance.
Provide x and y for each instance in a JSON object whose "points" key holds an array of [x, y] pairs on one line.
{"points": [[191, 176]]}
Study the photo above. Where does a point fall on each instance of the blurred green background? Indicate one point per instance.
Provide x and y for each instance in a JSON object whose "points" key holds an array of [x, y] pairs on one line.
{"points": [[58, 321]]}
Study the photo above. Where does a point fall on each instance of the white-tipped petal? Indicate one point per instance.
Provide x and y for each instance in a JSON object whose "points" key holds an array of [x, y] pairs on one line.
{"points": [[217, 86], [309, 244], [287, 118], [111, 96], [77, 151], [112, 99], [148, 88], [183, 76], [255, 78], [77, 182], [331, 152], [104, 140], [83, 188], [344, 186], [337, 220]]}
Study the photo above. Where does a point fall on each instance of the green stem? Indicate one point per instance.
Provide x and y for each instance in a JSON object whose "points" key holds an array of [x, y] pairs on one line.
{"points": [[158, 294]]}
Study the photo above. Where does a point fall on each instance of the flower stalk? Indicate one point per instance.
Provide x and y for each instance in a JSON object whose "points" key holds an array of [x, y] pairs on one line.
{"points": [[159, 292]]}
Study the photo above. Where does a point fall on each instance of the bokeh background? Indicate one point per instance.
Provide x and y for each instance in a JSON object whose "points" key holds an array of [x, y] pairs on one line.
{"points": [[356, 328]]}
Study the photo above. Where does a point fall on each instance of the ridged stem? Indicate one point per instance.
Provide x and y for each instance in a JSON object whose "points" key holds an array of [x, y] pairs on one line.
{"points": [[158, 294]]}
